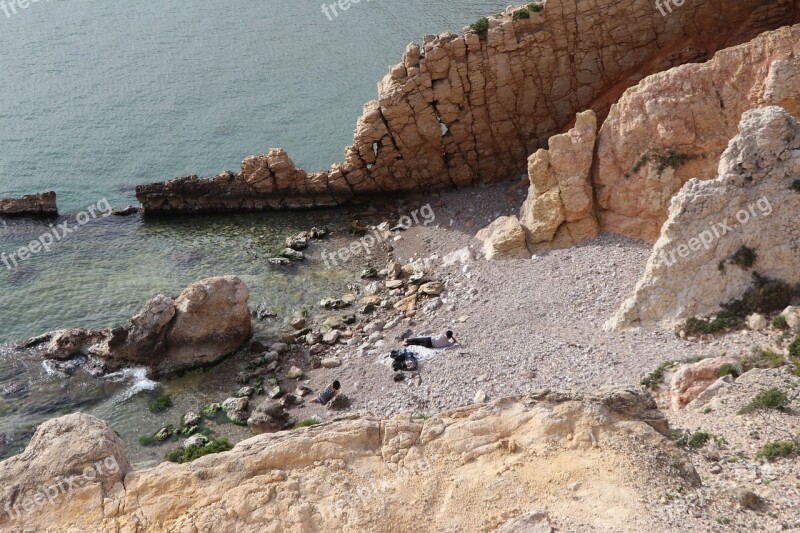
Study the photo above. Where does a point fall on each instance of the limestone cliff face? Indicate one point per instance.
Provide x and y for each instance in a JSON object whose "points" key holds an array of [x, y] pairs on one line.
{"points": [[671, 127], [691, 111], [470, 469], [754, 202], [467, 109]]}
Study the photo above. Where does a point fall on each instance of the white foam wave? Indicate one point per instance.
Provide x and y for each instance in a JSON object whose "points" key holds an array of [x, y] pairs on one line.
{"points": [[138, 379]]}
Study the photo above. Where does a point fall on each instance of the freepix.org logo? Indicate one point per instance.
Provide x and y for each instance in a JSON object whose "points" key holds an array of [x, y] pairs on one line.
{"points": [[12, 7]]}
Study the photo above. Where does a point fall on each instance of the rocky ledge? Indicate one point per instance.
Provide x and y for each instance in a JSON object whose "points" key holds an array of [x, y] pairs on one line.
{"points": [[468, 109], [207, 321], [476, 468], [42, 204]]}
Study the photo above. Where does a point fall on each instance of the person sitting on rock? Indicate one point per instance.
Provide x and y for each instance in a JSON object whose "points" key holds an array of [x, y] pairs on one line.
{"points": [[328, 394], [439, 341]]}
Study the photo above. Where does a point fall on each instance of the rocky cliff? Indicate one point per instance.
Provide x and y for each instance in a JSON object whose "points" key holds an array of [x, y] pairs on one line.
{"points": [[671, 127], [674, 126], [723, 232], [470, 109], [591, 460]]}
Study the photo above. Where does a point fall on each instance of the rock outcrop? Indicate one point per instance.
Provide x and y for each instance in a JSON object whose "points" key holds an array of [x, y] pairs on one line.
{"points": [[692, 379], [560, 206], [470, 109], [670, 127], [72, 462], [504, 239], [674, 126], [43, 204], [722, 232], [211, 320], [207, 321], [472, 469]]}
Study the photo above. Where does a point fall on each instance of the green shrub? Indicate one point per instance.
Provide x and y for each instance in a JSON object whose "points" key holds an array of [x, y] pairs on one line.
{"points": [[521, 14], [162, 403], [481, 27], [794, 347], [699, 439], [728, 370], [779, 322], [535, 7], [773, 398], [744, 257], [148, 441], [765, 295], [766, 359], [306, 423], [672, 160], [654, 378], [773, 450], [693, 440], [723, 321], [190, 453]]}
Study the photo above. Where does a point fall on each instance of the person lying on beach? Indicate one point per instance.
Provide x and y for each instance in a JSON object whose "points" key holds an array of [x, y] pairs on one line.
{"points": [[328, 394], [438, 341]]}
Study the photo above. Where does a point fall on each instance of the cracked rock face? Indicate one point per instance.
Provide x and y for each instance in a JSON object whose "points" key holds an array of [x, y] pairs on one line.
{"points": [[560, 204], [693, 111], [752, 203], [463, 109], [470, 469]]}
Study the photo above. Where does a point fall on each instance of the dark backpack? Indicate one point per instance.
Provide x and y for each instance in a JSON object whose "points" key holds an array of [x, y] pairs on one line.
{"points": [[404, 360]]}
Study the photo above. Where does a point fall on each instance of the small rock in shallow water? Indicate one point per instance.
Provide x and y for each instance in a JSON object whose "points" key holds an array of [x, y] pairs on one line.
{"points": [[245, 392], [191, 419], [195, 440]]}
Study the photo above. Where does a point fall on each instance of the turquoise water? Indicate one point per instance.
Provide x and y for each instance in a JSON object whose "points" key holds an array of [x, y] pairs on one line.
{"points": [[99, 96]]}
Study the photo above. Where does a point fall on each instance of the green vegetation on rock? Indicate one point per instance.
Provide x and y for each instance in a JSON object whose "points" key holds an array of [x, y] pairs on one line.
{"points": [[190, 453]]}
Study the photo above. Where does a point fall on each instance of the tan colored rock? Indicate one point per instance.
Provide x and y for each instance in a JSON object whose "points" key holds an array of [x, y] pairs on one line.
{"points": [[72, 462], [560, 199], [691, 111], [504, 239], [692, 270], [407, 472], [792, 316], [462, 110], [211, 320], [690, 380]]}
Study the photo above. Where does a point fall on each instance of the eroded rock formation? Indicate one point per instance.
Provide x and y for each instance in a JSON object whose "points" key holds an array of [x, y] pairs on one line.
{"points": [[469, 109], [669, 128], [207, 321], [43, 204], [471, 469], [674, 126], [560, 205], [721, 232]]}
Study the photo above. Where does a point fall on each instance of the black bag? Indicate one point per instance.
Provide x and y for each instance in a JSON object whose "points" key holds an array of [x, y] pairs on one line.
{"points": [[404, 360]]}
